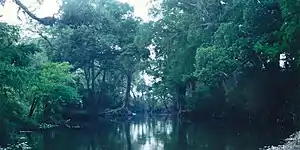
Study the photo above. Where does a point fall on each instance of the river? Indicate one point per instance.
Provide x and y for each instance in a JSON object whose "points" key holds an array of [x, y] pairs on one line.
{"points": [[156, 134]]}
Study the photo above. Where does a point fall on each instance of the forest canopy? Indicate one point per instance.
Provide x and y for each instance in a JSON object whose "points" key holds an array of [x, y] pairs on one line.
{"points": [[211, 59]]}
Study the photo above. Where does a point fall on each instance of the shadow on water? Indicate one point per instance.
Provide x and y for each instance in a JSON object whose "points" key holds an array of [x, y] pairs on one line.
{"points": [[156, 134]]}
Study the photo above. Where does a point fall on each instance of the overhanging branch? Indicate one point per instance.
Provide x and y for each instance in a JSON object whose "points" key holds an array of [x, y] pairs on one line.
{"points": [[44, 21]]}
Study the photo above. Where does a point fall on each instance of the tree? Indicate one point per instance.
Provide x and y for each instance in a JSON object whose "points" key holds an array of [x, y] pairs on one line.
{"points": [[15, 74], [100, 38], [212, 45], [53, 86], [26, 84]]}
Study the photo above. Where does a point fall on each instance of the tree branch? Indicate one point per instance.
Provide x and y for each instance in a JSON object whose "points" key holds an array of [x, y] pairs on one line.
{"points": [[97, 74], [44, 21], [41, 35], [133, 94]]}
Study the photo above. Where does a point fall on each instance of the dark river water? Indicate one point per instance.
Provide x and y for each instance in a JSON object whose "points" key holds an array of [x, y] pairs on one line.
{"points": [[157, 134]]}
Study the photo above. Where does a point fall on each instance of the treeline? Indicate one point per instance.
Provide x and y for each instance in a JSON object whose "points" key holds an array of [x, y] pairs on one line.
{"points": [[84, 65], [229, 58], [210, 59]]}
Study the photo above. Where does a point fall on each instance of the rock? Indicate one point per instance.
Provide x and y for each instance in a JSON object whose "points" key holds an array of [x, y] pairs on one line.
{"points": [[291, 143]]}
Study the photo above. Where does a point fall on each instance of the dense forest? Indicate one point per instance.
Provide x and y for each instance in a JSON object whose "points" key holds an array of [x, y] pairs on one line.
{"points": [[212, 59]]}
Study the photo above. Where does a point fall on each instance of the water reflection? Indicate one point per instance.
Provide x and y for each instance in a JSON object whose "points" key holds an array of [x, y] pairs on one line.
{"points": [[156, 134], [151, 134]]}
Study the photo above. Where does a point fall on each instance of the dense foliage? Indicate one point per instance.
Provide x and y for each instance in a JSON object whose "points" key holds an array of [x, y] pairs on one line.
{"points": [[212, 59], [30, 90], [228, 58]]}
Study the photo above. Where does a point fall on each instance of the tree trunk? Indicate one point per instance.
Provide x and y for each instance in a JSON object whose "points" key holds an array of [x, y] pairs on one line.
{"points": [[104, 76], [87, 75], [32, 107], [128, 88], [93, 77], [3, 101], [87, 78], [46, 112], [142, 94], [166, 105], [102, 90], [193, 85], [92, 97], [181, 92]]}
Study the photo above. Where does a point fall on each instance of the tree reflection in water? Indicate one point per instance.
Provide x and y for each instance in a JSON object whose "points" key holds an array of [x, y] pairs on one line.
{"points": [[156, 134]]}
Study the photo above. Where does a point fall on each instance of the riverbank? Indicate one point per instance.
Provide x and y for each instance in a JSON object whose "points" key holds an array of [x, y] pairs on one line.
{"points": [[291, 143]]}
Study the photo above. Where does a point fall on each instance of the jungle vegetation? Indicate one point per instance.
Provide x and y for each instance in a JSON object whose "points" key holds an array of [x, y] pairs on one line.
{"points": [[207, 59]]}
